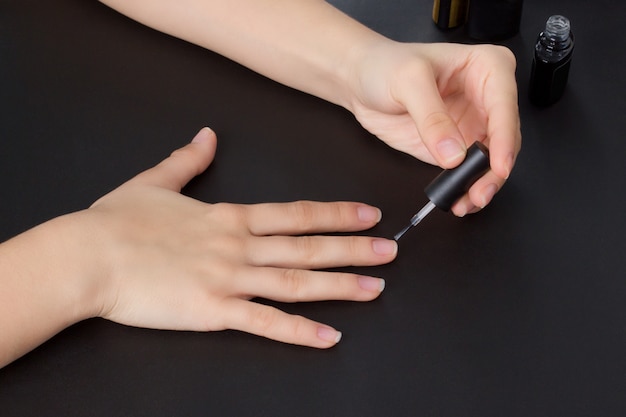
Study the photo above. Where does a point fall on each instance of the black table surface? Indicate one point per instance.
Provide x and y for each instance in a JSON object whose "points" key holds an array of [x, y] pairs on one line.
{"points": [[517, 311]]}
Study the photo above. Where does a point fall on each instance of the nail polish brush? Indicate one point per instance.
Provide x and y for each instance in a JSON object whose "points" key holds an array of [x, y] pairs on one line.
{"points": [[451, 184]]}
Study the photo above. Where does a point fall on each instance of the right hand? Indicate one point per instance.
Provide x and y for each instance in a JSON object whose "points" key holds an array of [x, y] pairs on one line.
{"points": [[432, 101]]}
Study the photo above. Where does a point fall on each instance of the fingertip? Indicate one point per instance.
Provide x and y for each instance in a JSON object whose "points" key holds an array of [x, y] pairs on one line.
{"points": [[509, 162], [183, 163], [450, 152], [487, 194], [385, 247], [502, 165], [463, 207], [203, 146], [204, 135], [372, 284], [437, 128], [369, 214], [329, 336]]}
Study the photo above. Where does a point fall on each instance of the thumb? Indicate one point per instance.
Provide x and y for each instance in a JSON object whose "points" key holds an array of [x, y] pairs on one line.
{"points": [[436, 127], [183, 164]]}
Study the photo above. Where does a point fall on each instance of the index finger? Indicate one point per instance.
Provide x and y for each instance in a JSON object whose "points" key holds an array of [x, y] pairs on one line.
{"points": [[304, 217]]}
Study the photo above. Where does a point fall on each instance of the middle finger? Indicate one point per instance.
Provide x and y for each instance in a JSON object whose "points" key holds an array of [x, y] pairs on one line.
{"points": [[314, 252]]}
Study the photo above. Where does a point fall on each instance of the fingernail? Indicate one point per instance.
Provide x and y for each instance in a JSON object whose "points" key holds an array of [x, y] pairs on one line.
{"points": [[369, 214], [466, 209], [488, 193], [328, 334], [508, 165], [450, 150], [384, 246], [371, 283], [202, 135]]}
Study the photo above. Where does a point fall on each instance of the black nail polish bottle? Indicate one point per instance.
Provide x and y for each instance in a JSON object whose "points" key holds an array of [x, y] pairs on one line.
{"points": [[551, 63]]}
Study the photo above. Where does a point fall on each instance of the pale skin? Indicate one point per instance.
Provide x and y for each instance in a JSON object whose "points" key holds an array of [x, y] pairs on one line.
{"points": [[144, 255], [429, 100]]}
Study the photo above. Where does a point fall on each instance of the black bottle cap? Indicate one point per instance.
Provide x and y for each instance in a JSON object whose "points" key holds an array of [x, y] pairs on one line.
{"points": [[494, 20], [451, 184]]}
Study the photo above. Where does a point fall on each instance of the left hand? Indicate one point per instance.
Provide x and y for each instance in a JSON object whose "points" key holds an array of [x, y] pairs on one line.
{"points": [[168, 261]]}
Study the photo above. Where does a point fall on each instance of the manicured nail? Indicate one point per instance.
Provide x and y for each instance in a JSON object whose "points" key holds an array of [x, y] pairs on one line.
{"points": [[450, 150], [202, 135], [328, 334], [488, 193], [466, 209], [508, 165], [371, 283], [384, 246], [369, 214]]}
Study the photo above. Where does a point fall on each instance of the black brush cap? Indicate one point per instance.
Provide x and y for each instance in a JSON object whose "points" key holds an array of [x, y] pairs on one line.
{"points": [[451, 184]]}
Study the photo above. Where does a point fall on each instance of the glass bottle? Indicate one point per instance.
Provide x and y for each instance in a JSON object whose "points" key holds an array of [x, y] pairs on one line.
{"points": [[551, 63]]}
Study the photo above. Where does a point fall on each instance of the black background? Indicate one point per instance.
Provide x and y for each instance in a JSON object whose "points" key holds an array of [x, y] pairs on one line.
{"points": [[517, 311]]}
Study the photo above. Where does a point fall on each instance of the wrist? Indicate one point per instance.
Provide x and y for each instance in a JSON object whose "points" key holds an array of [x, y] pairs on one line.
{"points": [[72, 264], [48, 284], [355, 56], [361, 71]]}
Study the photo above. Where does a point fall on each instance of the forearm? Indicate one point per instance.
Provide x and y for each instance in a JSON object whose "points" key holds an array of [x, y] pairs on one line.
{"points": [[42, 290], [305, 44]]}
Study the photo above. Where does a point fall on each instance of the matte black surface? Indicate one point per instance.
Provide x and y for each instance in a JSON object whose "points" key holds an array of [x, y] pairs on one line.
{"points": [[517, 311]]}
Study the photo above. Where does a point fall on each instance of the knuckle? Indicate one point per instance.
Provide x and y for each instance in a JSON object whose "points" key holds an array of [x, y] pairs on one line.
{"points": [[180, 152], [436, 119], [189, 156], [264, 319], [304, 215], [210, 324], [300, 330], [500, 53], [305, 247], [355, 248], [202, 313], [294, 283], [227, 213], [508, 55], [343, 215]]}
